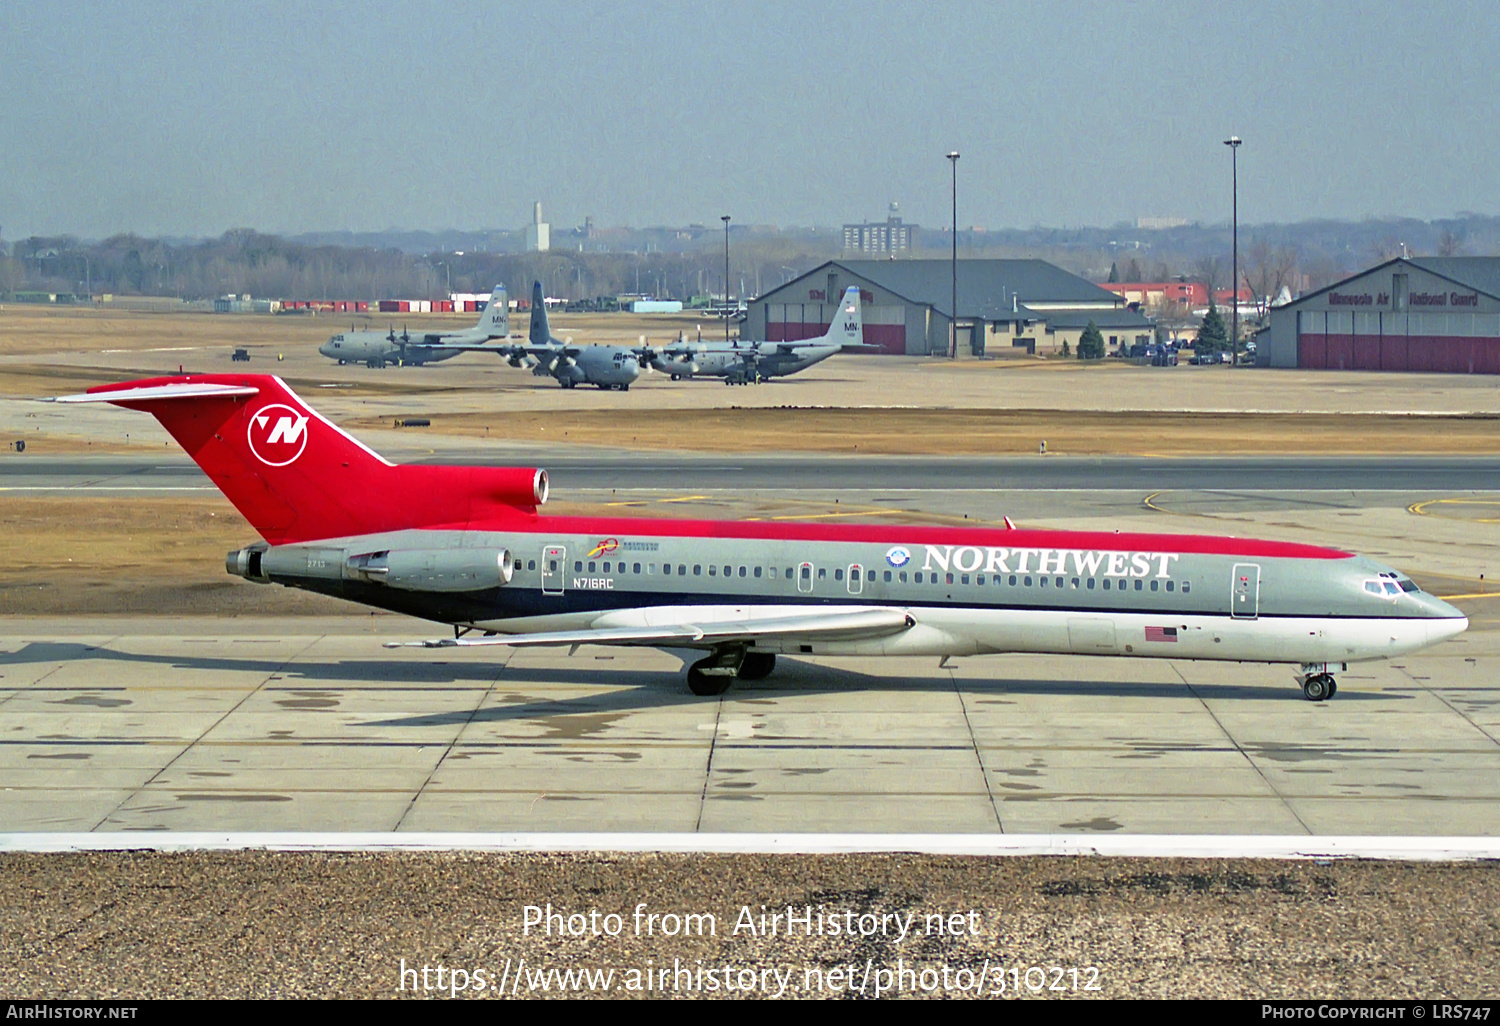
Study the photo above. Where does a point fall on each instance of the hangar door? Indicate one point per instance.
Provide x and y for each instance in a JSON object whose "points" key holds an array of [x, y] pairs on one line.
{"points": [[884, 326], [1451, 343]]}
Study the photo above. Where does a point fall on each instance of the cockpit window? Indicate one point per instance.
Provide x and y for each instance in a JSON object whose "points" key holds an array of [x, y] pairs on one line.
{"points": [[1373, 587], [1391, 589], [1409, 586]]}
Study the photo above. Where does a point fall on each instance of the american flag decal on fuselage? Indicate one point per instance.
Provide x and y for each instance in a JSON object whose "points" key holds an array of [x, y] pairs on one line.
{"points": [[1161, 634]]}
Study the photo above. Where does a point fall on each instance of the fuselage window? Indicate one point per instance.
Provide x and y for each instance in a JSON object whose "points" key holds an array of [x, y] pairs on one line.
{"points": [[742, 571], [1137, 585], [757, 573], [1012, 580], [887, 577], [949, 578], [822, 573], [1026, 581], [606, 568], [666, 568], [1171, 585], [1106, 584], [712, 570], [592, 565], [964, 579], [806, 573], [1091, 584], [697, 569], [1075, 584], [729, 571], [578, 566], [902, 576], [1187, 586], [838, 575], [1154, 585], [681, 569], [869, 575], [918, 578], [531, 564], [979, 580], [635, 568], [1041, 582]]}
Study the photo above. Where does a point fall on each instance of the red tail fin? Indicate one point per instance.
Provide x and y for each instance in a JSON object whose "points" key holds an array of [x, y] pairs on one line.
{"points": [[298, 477]]}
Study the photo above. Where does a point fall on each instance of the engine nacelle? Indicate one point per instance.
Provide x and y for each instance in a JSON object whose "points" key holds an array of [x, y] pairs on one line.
{"points": [[246, 563], [452, 570]]}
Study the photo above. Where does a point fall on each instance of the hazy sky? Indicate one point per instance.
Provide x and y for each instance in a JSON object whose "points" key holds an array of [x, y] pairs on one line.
{"points": [[191, 118]]}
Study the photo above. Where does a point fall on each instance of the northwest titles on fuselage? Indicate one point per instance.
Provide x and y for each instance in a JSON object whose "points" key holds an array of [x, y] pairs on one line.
{"points": [[1085, 563]]}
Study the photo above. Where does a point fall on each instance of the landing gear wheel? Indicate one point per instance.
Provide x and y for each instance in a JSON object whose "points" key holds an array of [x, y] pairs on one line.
{"points": [[757, 665], [705, 685], [1318, 688], [1333, 687], [676, 377]]}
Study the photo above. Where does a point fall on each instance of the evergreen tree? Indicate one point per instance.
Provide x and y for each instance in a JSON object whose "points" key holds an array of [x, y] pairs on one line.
{"points": [[1114, 274], [1091, 343], [1212, 336]]}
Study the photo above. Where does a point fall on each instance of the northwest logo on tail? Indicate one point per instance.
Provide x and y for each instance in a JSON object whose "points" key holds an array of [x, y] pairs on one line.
{"points": [[277, 434]]}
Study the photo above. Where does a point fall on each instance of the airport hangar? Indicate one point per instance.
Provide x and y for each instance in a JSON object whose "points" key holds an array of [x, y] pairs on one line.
{"points": [[907, 307], [1407, 314]]}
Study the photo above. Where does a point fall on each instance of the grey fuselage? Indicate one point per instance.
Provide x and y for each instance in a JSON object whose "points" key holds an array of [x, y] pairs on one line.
{"points": [[377, 349], [604, 366], [748, 362], [1092, 594]]}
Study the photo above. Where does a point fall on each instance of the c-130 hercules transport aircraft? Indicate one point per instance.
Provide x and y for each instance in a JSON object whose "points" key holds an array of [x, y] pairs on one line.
{"points": [[466, 546]]}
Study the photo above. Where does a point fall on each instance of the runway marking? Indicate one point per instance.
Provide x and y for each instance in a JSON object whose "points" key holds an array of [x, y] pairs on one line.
{"points": [[1420, 509], [1417, 849], [1149, 504], [1472, 595], [679, 498], [831, 516]]}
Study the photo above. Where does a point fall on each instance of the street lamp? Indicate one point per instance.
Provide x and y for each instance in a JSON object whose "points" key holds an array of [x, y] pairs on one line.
{"points": [[725, 219], [1233, 142], [953, 319]]}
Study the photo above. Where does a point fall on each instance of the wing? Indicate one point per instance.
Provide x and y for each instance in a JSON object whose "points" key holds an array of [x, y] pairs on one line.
{"points": [[844, 625]]}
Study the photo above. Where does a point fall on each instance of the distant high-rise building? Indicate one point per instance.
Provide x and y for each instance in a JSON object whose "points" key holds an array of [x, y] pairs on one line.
{"points": [[538, 232], [888, 239]]}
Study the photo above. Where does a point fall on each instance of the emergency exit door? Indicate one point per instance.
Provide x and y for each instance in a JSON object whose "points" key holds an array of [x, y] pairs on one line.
{"points": [[1244, 591], [554, 569]]}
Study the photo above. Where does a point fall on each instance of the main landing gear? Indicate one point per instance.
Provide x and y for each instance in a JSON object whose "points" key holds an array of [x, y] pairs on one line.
{"points": [[1318, 684], [712, 676]]}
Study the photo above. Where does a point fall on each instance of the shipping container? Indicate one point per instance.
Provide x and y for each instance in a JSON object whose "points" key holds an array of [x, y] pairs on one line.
{"points": [[389, 306]]}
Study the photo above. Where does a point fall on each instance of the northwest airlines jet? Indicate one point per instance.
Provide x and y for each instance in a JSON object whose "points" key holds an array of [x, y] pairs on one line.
{"points": [[465, 546]]}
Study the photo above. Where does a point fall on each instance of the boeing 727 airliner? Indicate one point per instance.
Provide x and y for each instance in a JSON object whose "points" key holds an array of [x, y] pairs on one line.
{"points": [[466, 546]]}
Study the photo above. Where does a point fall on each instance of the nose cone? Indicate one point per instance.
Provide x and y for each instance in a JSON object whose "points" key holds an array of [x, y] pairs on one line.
{"points": [[1448, 620], [632, 369], [326, 349]]}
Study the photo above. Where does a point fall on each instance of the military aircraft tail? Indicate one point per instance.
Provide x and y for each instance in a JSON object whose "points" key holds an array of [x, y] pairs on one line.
{"points": [[297, 477], [541, 331], [847, 327], [494, 319]]}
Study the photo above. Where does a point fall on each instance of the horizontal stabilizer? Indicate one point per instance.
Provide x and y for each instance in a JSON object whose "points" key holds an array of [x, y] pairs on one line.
{"points": [[183, 390], [859, 623]]}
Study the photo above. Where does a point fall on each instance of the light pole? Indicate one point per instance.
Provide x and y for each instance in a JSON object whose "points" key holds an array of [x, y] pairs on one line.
{"points": [[953, 319], [725, 219], [1233, 142]]}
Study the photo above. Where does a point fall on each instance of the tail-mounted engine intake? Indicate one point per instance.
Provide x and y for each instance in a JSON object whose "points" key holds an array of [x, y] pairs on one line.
{"points": [[246, 563], [434, 569]]}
